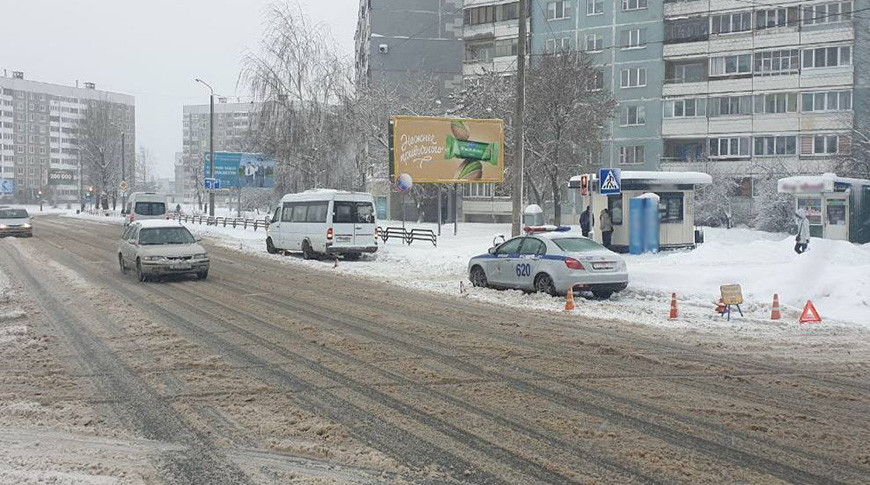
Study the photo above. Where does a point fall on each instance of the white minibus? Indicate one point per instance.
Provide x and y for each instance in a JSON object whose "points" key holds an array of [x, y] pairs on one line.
{"points": [[319, 222], [145, 205]]}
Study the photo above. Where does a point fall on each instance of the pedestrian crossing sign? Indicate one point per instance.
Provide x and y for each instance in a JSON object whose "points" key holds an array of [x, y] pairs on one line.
{"points": [[609, 181]]}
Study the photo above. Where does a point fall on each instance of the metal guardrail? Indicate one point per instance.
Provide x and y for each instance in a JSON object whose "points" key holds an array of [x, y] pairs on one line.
{"points": [[233, 222], [407, 236], [103, 212]]}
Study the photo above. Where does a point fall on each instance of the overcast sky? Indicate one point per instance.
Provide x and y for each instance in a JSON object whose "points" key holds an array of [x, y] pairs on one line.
{"points": [[151, 49]]}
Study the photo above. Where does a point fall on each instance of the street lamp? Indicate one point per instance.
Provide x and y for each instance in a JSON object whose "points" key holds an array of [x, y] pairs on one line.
{"points": [[210, 145]]}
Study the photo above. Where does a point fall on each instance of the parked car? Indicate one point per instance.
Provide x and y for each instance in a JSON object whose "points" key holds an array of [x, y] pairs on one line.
{"points": [[142, 206], [158, 247], [320, 222], [550, 260], [15, 222]]}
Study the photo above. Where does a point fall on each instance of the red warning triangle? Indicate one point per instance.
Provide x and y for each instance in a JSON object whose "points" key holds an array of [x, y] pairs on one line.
{"points": [[810, 314]]}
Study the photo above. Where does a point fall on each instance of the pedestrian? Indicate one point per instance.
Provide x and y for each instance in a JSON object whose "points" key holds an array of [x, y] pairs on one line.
{"points": [[606, 227], [802, 239], [586, 221]]}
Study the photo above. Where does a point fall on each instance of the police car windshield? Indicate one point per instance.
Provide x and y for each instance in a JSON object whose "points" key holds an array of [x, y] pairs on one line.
{"points": [[165, 235], [577, 244], [13, 214]]}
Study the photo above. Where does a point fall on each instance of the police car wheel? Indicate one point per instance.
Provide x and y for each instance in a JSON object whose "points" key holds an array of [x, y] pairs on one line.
{"points": [[478, 277], [544, 284]]}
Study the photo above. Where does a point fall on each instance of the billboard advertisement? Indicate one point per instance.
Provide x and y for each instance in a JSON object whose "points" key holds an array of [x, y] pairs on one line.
{"points": [[57, 176], [447, 150], [244, 170]]}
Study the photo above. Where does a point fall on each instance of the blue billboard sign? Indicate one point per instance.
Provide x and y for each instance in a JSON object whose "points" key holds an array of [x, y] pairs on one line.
{"points": [[7, 186], [233, 170]]}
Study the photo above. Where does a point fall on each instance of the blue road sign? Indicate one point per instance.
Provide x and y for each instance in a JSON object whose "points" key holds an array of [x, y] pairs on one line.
{"points": [[609, 181], [212, 184], [7, 186]]}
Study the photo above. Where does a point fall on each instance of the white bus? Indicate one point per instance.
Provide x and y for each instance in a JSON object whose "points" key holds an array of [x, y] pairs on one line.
{"points": [[145, 205], [319, 222]]}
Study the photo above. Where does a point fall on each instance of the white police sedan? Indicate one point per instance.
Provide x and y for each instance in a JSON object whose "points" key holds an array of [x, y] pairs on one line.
{"points": [[550, 259]]}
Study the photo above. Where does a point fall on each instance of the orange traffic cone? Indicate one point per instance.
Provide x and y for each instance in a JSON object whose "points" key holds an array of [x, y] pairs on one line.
{"points": [[774, 311], [720, 307], [673, 315], [569, 300]]}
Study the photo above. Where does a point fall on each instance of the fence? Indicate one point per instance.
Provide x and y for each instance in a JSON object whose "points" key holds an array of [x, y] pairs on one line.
{"points": [[233, 222], [407, 236]]}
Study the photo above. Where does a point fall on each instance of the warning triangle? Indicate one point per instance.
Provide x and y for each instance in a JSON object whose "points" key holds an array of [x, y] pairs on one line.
{"points": [[810, 314], [610, 182]]}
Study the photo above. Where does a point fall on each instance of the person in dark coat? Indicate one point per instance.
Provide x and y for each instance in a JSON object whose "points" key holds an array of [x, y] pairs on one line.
{"points": [[586, 221]]}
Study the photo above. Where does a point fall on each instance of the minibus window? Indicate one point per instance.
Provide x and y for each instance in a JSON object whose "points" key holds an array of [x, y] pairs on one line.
{"points": [[317, 212], [344, 212], [365, 213], [150, 208]]}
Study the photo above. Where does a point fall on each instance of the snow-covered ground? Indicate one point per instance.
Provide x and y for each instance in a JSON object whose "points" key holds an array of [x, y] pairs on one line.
{"points": [[835, 275]]}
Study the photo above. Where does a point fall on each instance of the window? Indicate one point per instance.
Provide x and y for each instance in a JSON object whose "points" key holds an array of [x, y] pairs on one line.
{"points": [[827, 57], [827, 13], [766, 146], [558, 46], [730, 106], [481, 52], [729, 147], [825, 144], [731, 22], [594, 42], [729, 65], [506, 47], [353, 212], [532, 246], [686, 30], [614, 206], [317, 212], [685, 108], [594, 7], [633, 77], [632, 116], [557, 10], [596, 82], [776, 17], [776, 103], [670, 207], [480, 15], [776, 62], [827, 101], [510, 247], [478, 190], [628, 5], [632, 38], [631, 155]]}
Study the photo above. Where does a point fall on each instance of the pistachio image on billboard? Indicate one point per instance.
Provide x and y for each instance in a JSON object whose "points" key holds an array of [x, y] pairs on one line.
{"points": [[470, 170]]}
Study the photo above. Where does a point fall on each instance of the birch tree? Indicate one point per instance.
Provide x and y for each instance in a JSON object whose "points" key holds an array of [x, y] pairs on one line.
{"points": [[98, 142]]}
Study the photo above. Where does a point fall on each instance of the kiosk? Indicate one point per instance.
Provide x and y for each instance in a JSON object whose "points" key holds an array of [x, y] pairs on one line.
{"points": [[675, 190], [837, 207]]}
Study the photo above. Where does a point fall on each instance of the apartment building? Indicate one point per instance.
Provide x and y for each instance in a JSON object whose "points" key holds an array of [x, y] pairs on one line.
{"points": [[38, 146], [233, 123], [748, 89]]}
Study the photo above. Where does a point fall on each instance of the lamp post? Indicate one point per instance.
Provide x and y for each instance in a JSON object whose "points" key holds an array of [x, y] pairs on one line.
{"points": [[210, 144], [123, 169]]}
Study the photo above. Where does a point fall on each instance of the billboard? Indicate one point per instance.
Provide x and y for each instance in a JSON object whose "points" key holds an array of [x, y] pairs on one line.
{"points": [[57, 176], [7, 187], [234, 170], [447, 150]]}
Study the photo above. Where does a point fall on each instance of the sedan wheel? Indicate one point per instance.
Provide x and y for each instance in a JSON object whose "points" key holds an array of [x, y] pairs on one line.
{"points": [[478, 277], [544, 284], [139, 274]]}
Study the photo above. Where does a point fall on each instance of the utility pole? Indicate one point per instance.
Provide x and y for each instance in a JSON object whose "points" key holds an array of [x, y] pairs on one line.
{"points": [[210, 145], [517, 174]]}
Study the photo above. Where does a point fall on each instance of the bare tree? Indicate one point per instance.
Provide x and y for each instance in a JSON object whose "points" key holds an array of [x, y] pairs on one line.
{"points": [[98, 142], [300, 80], [144, 170], [565, 119]]}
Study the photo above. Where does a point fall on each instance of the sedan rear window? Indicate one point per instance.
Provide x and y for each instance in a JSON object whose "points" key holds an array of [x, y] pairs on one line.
{"points": [[13, 214], [577, 244], [150, 208], [165, 235]]}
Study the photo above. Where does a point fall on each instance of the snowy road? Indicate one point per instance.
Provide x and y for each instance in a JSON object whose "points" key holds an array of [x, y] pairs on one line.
{"points": [[271, 373]]}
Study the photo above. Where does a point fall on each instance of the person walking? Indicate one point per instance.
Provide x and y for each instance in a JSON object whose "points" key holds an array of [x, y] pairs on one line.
{"points": [[606, 227], [802, 239], [586, 221]]}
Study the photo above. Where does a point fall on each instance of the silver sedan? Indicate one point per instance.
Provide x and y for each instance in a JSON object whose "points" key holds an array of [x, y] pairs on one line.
{"points": [[550, 262]]}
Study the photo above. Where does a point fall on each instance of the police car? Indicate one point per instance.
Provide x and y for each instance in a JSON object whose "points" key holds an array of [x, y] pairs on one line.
{"points": [[550, 259]]}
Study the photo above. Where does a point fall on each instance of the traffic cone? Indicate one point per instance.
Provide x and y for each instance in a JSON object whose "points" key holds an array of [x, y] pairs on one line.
{"points": [[569, 300], [673, 315], [774, 311], [720, 308]]}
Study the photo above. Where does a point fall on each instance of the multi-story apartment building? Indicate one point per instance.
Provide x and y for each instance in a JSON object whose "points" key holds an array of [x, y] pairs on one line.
{"points": [[38, 143], [233, 124], [491, 32], [397, 41], [747, 89]]}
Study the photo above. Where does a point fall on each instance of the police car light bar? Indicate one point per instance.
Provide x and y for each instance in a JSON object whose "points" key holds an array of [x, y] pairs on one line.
{"points": [[547, 228]]}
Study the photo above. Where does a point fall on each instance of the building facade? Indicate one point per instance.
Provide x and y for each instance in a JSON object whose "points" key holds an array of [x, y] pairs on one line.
{"points": [[742, 89], [233, 124], [38, 145]]}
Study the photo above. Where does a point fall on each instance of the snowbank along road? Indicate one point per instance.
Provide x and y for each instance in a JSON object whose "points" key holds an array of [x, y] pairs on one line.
{"points": [[269, 373]]}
